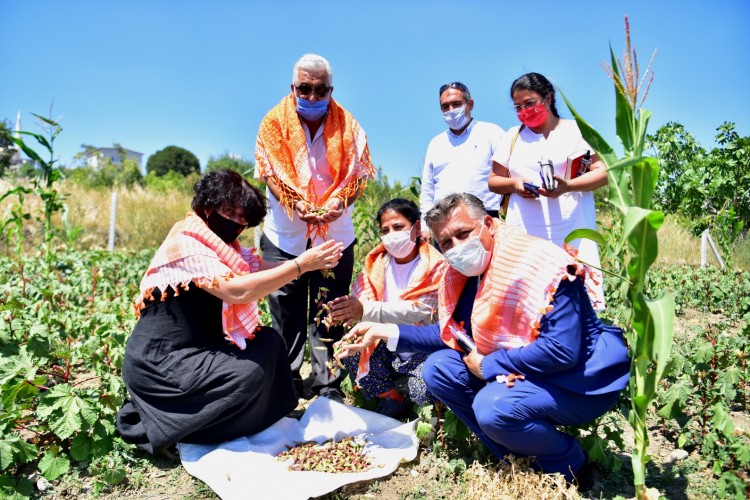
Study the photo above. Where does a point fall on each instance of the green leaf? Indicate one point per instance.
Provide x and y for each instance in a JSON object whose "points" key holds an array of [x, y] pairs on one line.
{"points": [[741, 452], [645, 174], [644, 116], [81, 447], [624, 118], [12, 490], [114, 475], [675, 398], [40, 139], [53, 467], [588, 234], [722, 422], [27, 150], [66, 409], [683, 439]]}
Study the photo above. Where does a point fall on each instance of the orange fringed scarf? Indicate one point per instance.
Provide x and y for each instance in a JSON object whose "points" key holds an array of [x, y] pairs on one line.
{"points": [[282, 156], [192, 252], [423, 287], [517, 290]]}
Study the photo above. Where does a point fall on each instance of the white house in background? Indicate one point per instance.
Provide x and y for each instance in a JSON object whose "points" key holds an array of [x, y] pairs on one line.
{"points": [[97, 157], [17, 159]]}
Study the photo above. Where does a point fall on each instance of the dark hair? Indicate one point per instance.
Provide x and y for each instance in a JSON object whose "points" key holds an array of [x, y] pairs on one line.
{"points": [[227, 188], [537, 83], [449, 203], [406, 208]]}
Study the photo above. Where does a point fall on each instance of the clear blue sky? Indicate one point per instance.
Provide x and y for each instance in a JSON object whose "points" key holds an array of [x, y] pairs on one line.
{"points": [[201, 75]]}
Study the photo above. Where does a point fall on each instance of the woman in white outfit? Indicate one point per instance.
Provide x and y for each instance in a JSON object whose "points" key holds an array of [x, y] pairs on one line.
{"points": [[548, 211]]}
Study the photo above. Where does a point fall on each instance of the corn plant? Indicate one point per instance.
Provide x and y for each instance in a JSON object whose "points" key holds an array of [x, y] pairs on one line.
{"points": [[632, 180], [47, 174]]}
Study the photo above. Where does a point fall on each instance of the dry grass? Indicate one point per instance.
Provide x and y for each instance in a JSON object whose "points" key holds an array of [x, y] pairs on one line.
{"points": [[513, 480], [144, 218]]}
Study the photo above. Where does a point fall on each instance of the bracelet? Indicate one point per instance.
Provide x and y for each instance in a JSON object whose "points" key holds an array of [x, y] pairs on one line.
{"points": [[299, 269]]}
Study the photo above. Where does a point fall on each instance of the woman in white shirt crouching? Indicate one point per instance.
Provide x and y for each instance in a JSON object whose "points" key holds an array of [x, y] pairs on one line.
{"points": [[398, 284]]}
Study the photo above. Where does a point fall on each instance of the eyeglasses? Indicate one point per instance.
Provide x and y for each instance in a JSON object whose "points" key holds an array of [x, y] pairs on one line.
{"points": [[229, 218], [528, 104], [305, 89], [454, 85]]}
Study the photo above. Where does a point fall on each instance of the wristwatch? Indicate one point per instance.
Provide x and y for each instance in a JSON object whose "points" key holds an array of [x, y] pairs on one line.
{"points": [[479, 369]]}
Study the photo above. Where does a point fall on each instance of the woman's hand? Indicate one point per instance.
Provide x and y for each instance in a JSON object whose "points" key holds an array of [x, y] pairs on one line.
{"points": [[359, 337], [347, 309], [562, 187], [519, 188], [324, 256]]}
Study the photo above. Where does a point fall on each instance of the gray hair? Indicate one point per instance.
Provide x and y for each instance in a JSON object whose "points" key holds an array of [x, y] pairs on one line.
{"points": [[313, 63], [443, 208]]}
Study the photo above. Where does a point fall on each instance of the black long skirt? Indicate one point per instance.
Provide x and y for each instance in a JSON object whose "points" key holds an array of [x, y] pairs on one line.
{"points": [[187, 383]]}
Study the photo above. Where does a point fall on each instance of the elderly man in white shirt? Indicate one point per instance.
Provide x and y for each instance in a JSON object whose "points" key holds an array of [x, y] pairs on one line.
{"points": [[459, 160], [314, 158]]}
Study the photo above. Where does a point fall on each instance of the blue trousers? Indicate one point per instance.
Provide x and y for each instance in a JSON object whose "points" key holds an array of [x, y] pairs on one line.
{"points": [[518, 420]]}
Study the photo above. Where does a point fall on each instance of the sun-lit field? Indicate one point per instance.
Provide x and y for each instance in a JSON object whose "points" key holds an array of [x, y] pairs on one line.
{"points": [[144, 218]]}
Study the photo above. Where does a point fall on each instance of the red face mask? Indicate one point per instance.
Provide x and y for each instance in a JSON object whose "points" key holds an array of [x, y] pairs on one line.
{"points": [[533, 117]]}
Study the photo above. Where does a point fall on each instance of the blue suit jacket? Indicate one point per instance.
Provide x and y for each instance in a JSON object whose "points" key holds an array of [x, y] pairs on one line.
{"points": [[574, 351]]}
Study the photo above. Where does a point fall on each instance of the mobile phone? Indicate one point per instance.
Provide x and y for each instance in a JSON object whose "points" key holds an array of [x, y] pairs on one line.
{"points": [[464, 341], [531, 187]]}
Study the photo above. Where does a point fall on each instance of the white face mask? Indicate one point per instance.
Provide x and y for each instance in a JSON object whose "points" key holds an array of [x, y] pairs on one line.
{"points": [[469, 258], [398, 243], [456, 118]]}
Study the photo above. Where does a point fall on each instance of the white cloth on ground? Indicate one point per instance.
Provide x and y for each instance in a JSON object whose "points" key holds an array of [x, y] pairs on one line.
{"points": [[247, 468]]}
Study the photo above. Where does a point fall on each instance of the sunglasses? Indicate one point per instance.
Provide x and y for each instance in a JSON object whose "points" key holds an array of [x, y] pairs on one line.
{"points": [[454, 85], [305, 89]]}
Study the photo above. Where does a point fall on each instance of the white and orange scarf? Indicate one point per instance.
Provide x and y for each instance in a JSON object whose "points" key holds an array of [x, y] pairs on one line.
{"points": [[516, 291], [423, 286], [193, 253], [282, 155]]}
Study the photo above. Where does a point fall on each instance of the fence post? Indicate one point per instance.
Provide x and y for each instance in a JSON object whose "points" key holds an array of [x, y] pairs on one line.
{"points": [[706, 242], [112, 221]]}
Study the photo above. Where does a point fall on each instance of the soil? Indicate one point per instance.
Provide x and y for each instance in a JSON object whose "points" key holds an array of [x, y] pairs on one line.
{"points": [[427, 477]]}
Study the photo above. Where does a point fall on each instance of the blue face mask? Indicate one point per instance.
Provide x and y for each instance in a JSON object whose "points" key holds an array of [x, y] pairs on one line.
{"points": [[311, 110]]}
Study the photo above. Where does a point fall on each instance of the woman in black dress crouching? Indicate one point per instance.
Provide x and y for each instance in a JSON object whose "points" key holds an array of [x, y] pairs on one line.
{"points": [[197, 367]]}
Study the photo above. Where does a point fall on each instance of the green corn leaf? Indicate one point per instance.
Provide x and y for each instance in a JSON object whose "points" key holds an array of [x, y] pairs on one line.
{"points": [[639, 228], [644, 116], [645, 174], [53, 467], [40, 139], [624, 119], [595, 140], [27, 150], [662, 315], [588, 234]]}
